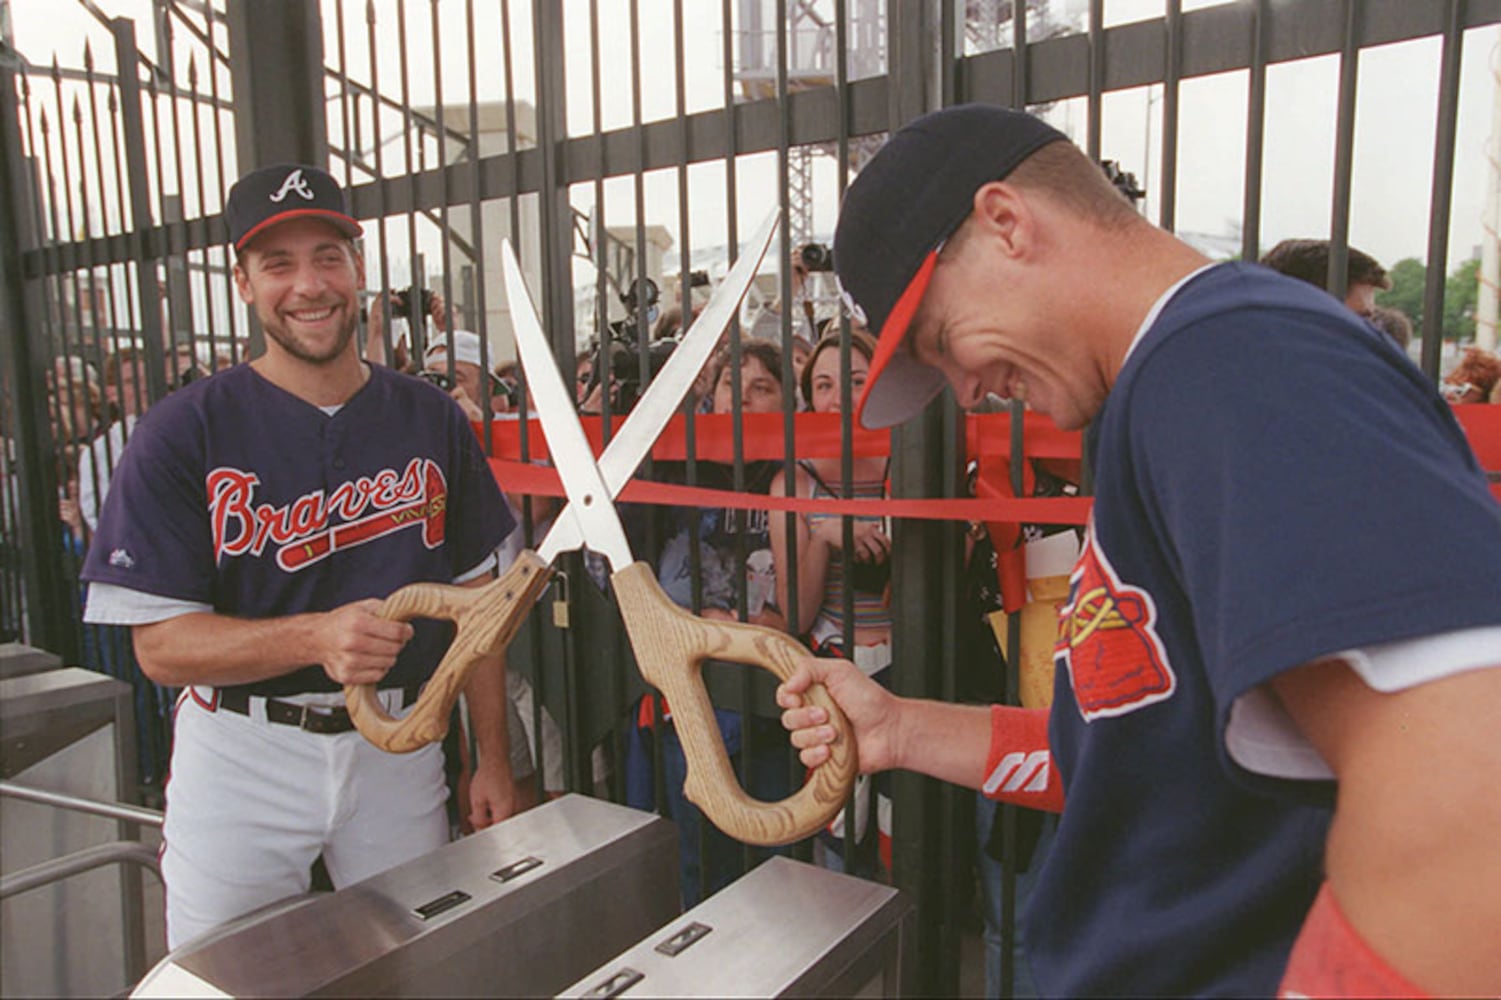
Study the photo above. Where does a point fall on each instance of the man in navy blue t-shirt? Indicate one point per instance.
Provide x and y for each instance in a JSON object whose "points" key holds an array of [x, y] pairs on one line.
{"points": [[1279, 665]]}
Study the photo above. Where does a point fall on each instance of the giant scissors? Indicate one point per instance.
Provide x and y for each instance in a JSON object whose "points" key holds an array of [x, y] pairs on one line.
{"points": [[670, 644]]}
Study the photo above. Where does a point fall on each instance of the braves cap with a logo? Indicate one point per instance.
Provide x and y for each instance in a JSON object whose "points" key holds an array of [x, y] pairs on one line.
{"points": [[896, 216], [270, 195]]}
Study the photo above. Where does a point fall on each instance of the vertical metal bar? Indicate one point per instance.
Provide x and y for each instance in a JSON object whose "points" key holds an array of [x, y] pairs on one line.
{"points": [[199, 189], [555, 212], [789, 396], [382, 300], [638, 179], [164, 286], [1344, 153], [132, 291], [1096, 77], [556, 245], [68, 393], [1019, 86], [917, 470], [1167, 203], [42, 584], [230, 296], [854, 864], [535, 631], [65, 234], [1250, 229], [188, 323], [951, 840], [604, 375], [1006, 815], [446, 231], [784, 293], [1443, 187], [680, 102], [416, 323], [480, 321], [56, 338], [276, 60], [113, 329], [351, 147]]}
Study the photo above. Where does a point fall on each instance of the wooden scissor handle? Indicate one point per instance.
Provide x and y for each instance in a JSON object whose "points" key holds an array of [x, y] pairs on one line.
{"points": [[671, 646], [487, 618]]}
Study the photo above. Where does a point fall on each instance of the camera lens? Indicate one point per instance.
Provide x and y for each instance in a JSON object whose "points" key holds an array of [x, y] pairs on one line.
{"points": [[816, 257], [439, 379]]}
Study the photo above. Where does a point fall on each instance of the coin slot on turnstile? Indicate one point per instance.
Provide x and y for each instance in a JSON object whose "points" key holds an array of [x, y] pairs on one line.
{"points": [[683, 939], [516, 868], [442, 904], [616, 984]]}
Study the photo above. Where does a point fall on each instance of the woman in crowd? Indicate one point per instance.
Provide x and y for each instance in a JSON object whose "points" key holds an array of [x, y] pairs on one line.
{"points": [[843, 603]]}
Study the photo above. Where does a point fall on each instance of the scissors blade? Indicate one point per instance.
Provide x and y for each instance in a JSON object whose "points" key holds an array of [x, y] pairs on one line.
{"points": [[665, 393], [587, 493]]}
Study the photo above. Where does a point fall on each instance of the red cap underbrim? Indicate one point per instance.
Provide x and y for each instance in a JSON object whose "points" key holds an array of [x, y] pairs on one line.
{"points": [[349, 227], [899, 386]]}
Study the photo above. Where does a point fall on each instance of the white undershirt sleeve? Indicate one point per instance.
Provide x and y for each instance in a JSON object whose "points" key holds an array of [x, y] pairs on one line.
{"points": [[1263, 738]]}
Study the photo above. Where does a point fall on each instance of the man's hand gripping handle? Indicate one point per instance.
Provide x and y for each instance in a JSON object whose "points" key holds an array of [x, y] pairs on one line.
{"points": [[487, 618], [671, 646]]}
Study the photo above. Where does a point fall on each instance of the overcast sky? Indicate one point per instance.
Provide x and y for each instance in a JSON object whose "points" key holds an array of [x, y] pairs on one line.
{"points": [[1394, 126]]}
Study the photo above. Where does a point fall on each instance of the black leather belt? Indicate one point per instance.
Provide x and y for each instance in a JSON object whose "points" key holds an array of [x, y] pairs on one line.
{"points": [[324, 721]]}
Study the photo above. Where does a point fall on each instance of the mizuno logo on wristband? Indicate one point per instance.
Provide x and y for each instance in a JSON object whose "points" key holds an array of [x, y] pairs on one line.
{"points": [[1020, 772]]}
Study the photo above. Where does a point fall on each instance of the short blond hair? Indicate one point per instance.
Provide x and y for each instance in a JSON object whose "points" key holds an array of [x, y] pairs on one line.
{"points": [[1061, 171]]}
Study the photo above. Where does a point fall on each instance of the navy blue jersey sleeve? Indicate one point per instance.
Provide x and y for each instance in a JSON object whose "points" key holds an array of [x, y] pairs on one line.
{"points": [[153, 536], [479, 518], [1314, 495]]}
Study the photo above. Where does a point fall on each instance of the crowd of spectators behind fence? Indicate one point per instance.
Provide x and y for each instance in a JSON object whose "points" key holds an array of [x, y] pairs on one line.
{"points": [[719, 562]]}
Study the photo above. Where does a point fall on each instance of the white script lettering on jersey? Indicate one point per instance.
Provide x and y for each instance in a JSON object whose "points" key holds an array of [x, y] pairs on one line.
{"points": [[1020, 772], [294, 182], [303, 531]]}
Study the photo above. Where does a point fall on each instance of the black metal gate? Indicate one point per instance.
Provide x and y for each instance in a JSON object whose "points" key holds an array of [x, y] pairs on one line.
{"points": [[460, 123]]}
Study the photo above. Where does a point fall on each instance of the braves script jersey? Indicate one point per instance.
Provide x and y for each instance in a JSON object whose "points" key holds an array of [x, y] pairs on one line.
{"points": [[1275, 482], [236, 494]]}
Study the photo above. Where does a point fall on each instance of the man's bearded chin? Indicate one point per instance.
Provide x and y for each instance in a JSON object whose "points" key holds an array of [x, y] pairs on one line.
{"points": [[295, 347]]}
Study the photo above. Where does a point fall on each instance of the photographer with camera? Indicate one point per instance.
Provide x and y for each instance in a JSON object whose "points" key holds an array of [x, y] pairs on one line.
{"points": [[464, 376], [398, 345], [641, 301]]}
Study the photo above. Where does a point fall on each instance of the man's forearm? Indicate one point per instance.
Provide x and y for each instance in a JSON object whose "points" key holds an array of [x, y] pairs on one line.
{"points": [[212, 649], [486, 694], [944, 741]]}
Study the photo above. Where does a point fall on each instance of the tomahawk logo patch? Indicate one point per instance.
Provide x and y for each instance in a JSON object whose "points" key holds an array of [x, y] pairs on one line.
{"points": [[1108, 641], [315, 525]]}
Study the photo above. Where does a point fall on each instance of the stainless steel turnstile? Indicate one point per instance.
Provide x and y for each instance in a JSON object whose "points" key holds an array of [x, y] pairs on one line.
{"points": [[785, 929], [520, 909], [68, 731]]}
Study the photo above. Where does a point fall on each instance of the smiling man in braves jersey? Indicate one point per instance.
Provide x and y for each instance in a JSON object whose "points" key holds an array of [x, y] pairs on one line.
{"points": [[1279, 665], [252, 527]]}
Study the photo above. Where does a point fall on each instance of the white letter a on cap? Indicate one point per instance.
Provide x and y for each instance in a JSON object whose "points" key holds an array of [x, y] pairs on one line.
{"points": [[294, 182]]}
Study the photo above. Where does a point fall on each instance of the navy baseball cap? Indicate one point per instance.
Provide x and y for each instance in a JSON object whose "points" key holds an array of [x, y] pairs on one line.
{"points": [[264, 197], [897, 214]]}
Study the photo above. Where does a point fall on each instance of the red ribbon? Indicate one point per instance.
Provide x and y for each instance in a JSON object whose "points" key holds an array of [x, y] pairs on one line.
{"points": [[820, 435], [536, 480], [815, 435]]}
